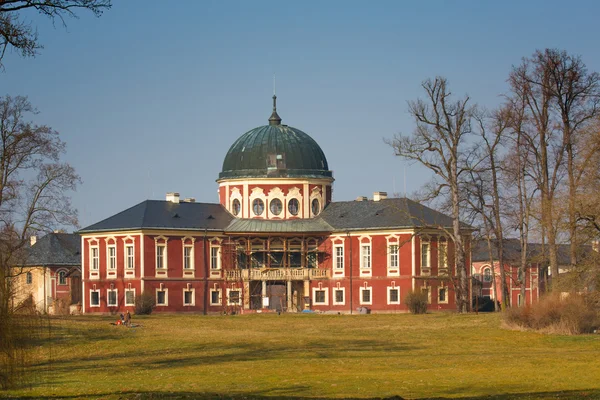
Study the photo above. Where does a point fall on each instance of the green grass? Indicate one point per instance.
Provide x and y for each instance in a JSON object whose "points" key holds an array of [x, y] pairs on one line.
{"points": [[320, 356]]}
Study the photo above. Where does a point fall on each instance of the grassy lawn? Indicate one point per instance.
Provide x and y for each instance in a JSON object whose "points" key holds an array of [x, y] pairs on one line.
{"points": [[319, 356]]}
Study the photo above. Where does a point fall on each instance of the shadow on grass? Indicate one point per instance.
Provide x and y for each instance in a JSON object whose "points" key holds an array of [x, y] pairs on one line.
{"points": [[279, 394]]}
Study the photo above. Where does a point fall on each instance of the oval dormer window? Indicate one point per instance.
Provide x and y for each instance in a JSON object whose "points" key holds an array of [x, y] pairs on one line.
{"points": [[258, 206], [236, 207], [293, 206], [275, 206], [315, 206]]}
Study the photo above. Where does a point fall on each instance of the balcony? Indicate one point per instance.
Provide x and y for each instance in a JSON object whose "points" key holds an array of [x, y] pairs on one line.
{"points": [[277, 274]]}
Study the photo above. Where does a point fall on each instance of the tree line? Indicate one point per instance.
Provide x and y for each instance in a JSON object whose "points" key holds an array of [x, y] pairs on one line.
{"points": [[527, 170]]}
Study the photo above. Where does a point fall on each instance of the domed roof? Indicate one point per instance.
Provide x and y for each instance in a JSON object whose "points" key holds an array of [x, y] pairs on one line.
{"points": [[275, 150]]}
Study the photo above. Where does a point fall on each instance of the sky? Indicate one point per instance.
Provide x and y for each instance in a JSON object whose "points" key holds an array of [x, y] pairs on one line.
{"points": [[150, 96]]}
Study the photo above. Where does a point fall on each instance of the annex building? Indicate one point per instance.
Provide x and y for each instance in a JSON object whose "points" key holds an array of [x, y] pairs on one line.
{"points": [[274, 241]]}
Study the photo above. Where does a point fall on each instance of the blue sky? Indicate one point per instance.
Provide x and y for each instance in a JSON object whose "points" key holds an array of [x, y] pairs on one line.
{"points": [[150, 96]]}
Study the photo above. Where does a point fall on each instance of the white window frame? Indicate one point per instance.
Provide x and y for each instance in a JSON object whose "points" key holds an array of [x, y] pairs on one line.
{"points": [[193, 303], [111, 259], [334, 300], [108, 291], [389, 297], [125, 299], [361, 301], [94, 257], [190, 265], [442, 250], [99, 299], [487, 278], [364, 256], [314, 296], [339, 259], [161, 260], [166, 303], [428, 288], [215, 261], [62, 273], [229, 302], [128, 257], [427, 254], [440, 288], [220, 298]]}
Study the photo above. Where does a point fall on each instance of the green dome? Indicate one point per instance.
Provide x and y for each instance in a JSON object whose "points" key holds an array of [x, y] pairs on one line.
{"points": [[275, 150]]}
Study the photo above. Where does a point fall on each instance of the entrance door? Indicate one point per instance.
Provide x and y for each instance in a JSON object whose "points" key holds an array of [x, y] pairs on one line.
{"points": [[277, 296], [75, 289]]}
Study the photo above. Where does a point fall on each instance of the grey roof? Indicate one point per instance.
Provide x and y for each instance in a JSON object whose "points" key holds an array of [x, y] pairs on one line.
{"points": [[160, 214], [339, 216], [289, 226], [512, 251], [56, 249], [383, 214]]}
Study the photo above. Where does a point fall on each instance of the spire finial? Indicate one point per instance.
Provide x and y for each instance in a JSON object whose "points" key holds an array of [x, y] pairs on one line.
{"points": [[274, 119]]}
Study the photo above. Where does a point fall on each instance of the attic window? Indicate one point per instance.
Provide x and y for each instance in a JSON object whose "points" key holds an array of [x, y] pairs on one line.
{"points": [[210, 217], [176, 215]]}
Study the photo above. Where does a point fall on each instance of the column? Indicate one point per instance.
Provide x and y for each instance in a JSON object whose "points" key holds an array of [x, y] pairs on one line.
{"points": [[264, 293], [289, 295]]}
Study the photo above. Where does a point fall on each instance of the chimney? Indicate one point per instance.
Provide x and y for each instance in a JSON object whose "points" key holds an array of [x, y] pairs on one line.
{"points": [[189, 200], [361, 198], [173, 197], [379, 196], [32, 240]]}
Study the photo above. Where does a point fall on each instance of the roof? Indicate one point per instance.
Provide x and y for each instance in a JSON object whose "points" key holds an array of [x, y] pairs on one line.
{"points": [[160, 214], [384, 214], [275, 151], [56, 249], [512, 251], [397, 213]]}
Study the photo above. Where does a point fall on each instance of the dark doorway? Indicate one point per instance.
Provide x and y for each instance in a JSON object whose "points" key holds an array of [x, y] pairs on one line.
{"points": [[277, 296], [75, 289]]}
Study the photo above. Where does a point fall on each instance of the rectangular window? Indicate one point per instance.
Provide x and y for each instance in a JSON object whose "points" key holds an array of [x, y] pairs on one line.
{"points": [[95, 298], [338, 296], [393, 256], [393, 295], [187, 257], [62, 278], [160, 256], [233, 297], [95, 259], [161, 297], [425, 255], [129, 297], [312, 260], [29, 278], [320, 297], [214, 258], [442, 255], [365, 296], [443, 295], [111, 298], [188, 297], [339, 257], [427, 291], [112, 257], [215, 297], [365, 250], [129, 257]]}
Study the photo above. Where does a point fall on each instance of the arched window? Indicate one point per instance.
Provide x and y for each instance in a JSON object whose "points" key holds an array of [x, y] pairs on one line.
{"points": [[258, 206], [236, 207], [487, 275], [62, 278]]}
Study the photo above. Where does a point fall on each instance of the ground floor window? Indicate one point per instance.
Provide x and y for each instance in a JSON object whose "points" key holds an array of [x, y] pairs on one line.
{"points": [[129, 297], [393, 295], [443, 295], [233, 297], [320, 296], [188, 297], [215, 297], [427, 290], [111, 297], [338, 296], [366, 296], [161, 297], [95, 298]]}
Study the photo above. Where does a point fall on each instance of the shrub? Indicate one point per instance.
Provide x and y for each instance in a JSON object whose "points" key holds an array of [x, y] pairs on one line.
{"points": [[571, 315], [416, 302], [144, 303]]}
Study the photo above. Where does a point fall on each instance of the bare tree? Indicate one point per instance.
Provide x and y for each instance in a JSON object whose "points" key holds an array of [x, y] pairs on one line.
{"points": [[438, 143], [33, 198], [18, 33]]}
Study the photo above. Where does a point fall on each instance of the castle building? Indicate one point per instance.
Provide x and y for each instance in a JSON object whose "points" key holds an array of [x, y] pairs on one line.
{"points": [[274, 241]]}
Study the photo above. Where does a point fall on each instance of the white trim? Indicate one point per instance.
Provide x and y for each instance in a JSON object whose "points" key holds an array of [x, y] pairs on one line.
{"points": [[315, 194], [337, 271], [414, 261], [389, 289], [229, 302], [111, 273], [428, 288], [360, 297], [365, 270], [99, 300], [293, 193], [116, 297], [442, 249], [334, 301], [220, 298], [447, 292], [314, 296], [162, 289], [258, 194], [83, 304], [188, 272], [213, 267], [125, 299], [276, 193], [393, 270], [425, 269], [234, 194]]}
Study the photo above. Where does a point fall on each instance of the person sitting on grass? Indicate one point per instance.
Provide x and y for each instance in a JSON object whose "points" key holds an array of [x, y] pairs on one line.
{"points": [[127, 320]]}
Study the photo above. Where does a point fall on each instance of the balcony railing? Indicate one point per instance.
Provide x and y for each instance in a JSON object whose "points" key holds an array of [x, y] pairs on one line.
{"points": [[277, 274]]}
